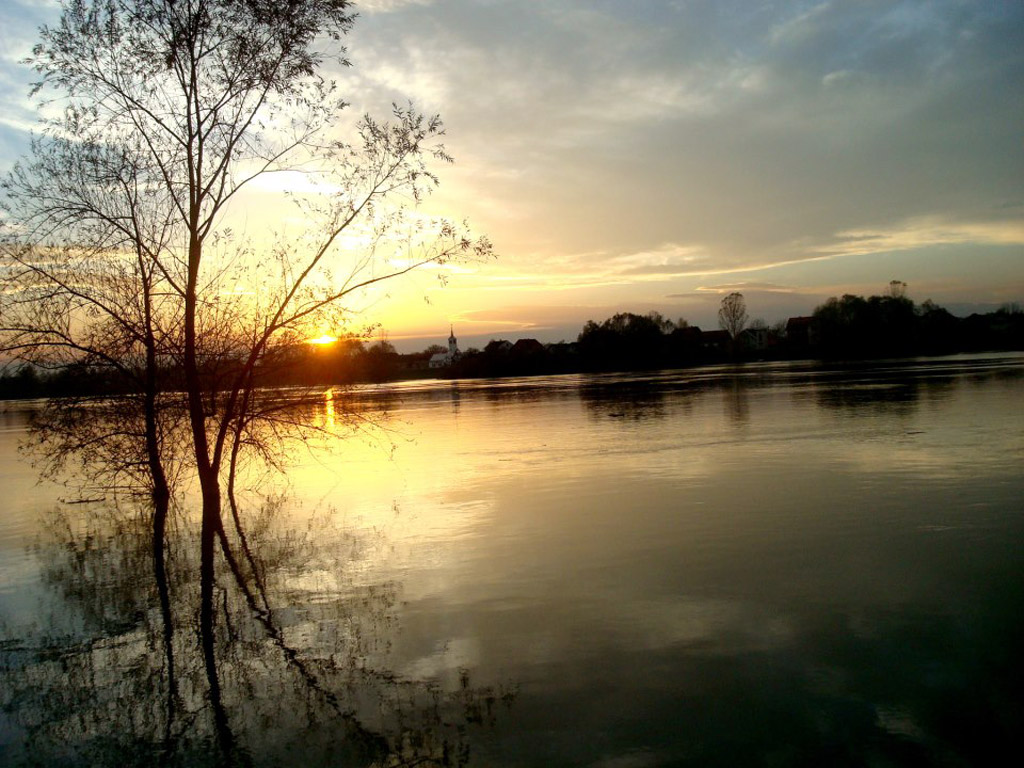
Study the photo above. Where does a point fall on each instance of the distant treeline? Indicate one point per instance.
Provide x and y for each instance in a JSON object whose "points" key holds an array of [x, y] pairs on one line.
{"points": [[893, 326], [344, 362], [850, 327]]}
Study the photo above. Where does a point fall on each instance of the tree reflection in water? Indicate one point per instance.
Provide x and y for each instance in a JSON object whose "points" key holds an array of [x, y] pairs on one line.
{"points": [[300, 673]]}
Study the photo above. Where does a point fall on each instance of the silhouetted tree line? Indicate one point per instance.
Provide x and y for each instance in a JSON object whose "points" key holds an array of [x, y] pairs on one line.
{"points": [[841, 328], [625, 341], [288, 365], [893, 326]]}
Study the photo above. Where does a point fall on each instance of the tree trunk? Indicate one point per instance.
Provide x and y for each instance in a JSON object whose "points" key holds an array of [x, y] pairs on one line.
{"points": [[210, 488]]}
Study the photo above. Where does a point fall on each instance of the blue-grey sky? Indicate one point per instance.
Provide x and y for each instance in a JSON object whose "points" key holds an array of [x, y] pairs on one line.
{"points": [[629, 156]]}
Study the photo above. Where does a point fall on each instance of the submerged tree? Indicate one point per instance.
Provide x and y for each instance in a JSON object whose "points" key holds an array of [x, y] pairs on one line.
{"points": [[117, 253]]}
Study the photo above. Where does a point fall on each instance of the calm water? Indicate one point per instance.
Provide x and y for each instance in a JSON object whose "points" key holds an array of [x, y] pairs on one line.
{"points": [[769, 565]]}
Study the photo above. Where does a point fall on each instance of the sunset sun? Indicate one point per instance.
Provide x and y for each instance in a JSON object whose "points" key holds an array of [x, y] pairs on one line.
{"points": [[323, 339]]}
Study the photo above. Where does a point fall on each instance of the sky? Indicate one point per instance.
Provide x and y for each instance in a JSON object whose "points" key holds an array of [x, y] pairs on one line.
{"points": [[637, 156]]}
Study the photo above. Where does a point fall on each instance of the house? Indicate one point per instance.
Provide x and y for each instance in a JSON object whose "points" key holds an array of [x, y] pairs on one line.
{"points": [[753, 339], [801, 333], [525, 347], [715, 342], [415, 361], [498, 347]]}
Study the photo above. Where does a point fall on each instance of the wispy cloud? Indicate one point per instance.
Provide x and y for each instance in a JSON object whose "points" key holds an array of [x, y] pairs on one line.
{"points": [[923, 232], [724, 288], [387, 6]]}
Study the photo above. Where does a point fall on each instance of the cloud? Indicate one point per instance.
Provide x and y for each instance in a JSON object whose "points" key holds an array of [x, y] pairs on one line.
{"points": [[19, 23], [550, 281], [632, 149], [387, 6], [745, 128], [666, 259], [724, 288], [923, 232]]}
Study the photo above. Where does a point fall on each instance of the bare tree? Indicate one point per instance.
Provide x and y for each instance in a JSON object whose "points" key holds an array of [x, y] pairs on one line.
{"points": [[198, 99], [732, 314], [81, 291], [116, 250]]}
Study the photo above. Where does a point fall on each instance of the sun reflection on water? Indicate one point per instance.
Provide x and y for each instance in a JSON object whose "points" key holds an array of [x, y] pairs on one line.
{"points": [[329, 417]]}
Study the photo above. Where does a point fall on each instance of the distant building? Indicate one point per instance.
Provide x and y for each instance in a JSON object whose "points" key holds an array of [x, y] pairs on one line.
{"points": [[415, 361], [527, 347], [754, 339], [444, 359], [498, 347], [801, 334], [715, 342]]}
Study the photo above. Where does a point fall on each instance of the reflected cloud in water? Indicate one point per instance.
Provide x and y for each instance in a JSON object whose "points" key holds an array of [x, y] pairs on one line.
{"points": [[103, 679]]}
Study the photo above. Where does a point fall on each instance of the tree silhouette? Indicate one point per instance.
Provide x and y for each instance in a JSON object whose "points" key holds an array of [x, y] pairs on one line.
{"points": [[624, 340], [116, 253], [732, 314]]}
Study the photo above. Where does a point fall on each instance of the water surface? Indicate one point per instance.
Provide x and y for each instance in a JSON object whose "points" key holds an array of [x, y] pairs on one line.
{"points": [[764, 565]]}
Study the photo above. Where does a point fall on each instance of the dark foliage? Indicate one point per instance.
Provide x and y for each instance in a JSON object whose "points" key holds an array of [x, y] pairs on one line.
{"points": [[892, 326], [623, 341]]}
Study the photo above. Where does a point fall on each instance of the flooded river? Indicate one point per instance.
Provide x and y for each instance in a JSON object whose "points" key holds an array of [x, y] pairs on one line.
{"points": [[773, 564]]}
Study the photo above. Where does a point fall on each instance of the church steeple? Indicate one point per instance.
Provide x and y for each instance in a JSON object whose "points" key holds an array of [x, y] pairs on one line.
{"points": [[453, 344]]}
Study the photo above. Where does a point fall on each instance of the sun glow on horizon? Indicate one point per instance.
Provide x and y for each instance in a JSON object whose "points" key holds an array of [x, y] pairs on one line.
{"points": [[323, 339]]}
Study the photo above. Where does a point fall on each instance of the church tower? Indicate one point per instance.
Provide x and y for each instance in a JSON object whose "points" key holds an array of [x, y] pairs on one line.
{"points": [[453, 344]]}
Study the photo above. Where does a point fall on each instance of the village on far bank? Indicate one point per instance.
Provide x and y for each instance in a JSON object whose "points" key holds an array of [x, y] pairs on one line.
{"points": [[846, 328]]}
